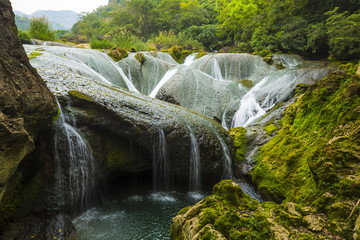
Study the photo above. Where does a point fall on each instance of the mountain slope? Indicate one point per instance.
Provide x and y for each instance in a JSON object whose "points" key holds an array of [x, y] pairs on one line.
{"points": [[62, 20]]}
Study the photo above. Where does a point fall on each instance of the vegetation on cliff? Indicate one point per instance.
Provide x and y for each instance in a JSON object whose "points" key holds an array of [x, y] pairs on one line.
{"points": [[310, 168]]}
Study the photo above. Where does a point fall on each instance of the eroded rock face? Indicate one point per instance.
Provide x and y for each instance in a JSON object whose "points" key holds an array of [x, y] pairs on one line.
{"points": [[26, 104], [26, 109], [106, 113]]}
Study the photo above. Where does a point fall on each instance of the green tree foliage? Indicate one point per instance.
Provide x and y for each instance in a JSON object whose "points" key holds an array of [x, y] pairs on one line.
{"points": [[24, 37], [206, 34], [40, 29], [344, 34], [303, 26]]}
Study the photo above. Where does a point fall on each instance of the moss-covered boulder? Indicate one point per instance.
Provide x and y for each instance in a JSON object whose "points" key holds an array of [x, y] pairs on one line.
{"points": [[230, 214], [224, 215], [238, 136]]}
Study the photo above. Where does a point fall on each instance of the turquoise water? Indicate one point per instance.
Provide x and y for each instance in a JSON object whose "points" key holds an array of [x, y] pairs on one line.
{"points": [[133, 215]]}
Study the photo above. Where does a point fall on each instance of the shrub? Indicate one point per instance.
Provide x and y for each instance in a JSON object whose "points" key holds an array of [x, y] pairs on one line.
{"points": [[40, 29], [24, 37], [101, 44]]}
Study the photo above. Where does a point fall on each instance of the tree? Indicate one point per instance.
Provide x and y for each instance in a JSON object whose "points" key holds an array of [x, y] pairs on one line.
{"points": [[343, 30], [40, 29], [206, 34]]}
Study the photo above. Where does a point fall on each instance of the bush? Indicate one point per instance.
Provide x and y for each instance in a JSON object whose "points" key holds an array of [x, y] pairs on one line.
{"points": [[343, 30], [40, 29], [24, 37], [128, 41], [117, 54], [101, 44]]}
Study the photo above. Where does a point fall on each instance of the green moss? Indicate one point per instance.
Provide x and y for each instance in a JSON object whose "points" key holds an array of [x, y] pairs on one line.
{"points": [[247, 83], [54, 118], [34, 55], [280, 66], [81, 95], [270, 129], [184, 210], [310, 167], [315, 151], [140, 57], [201, 54], [238, 136], [208, 216], [117, 54]]}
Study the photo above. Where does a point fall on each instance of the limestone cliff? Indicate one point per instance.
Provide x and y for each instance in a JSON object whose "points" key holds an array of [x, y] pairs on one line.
{"points": [[26, 104]]}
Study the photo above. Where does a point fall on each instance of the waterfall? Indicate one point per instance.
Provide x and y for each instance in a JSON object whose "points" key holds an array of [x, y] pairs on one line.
{"points": [[227, 163], [79, 181], [248, 111], [190, 59], [169, 74], [216, 70], [161, 175], [195, 168], [129, 83]]}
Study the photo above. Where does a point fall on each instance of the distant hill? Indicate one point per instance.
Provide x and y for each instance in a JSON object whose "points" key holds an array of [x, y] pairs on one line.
{"points": [[62, 20]]}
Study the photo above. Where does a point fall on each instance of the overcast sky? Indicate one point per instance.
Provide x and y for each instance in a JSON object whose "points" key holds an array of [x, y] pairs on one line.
{"points": [[30, 6]]}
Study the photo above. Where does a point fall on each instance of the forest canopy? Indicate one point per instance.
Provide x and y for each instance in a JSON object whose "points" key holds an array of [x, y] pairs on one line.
{"points": [[314, 28]]}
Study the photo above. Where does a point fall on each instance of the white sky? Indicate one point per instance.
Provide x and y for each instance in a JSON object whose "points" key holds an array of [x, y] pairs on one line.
{"points": [[30, 6]]}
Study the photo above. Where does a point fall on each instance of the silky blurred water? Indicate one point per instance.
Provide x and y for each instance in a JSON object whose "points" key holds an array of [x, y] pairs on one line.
{"points": [[140, 215]]}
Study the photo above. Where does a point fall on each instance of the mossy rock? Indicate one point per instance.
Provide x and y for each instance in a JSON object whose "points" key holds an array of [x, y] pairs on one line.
{"points": [[280, 66], [268, 60], [81, 95], [140, 57], [201, 54], [238, 136], [34, 55], [270, 129], [247, 83], [117, 54]]}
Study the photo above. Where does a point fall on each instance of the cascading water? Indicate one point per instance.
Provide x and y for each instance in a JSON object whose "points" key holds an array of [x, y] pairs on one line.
{"points": [[128, 82], [216, 70], [77, 181], [249, 110], [227, 163], [233, 89], [169, 74], [190, 59], [161, 175], [195, 168]]}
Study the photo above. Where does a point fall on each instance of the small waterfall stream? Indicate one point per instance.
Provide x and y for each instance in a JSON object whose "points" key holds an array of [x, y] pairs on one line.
{"points": [[169, 74], [195, 167], [78, 179], [161, 175]]}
